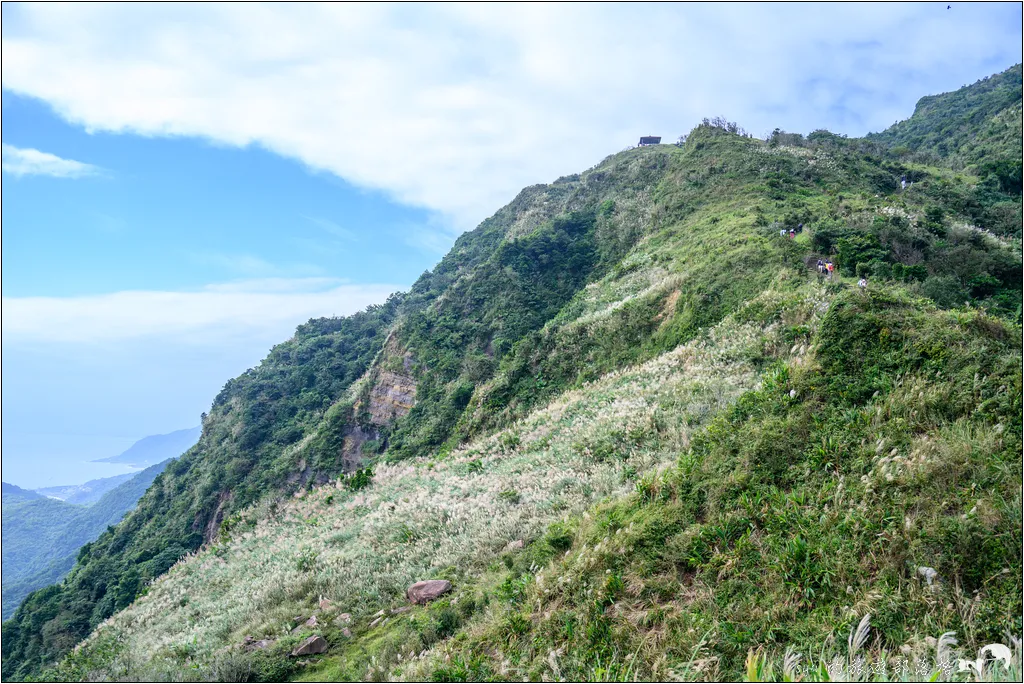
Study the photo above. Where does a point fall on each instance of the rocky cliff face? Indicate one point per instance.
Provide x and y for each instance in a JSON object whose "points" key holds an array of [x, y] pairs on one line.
{"points": [[352, 453], [392, 396]]}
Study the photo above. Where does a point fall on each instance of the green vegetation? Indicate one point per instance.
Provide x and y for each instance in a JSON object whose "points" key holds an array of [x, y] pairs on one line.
{"points": [[977, 129], [447, 518], [710, 452], [42, 536], [246, 451], [814, 500], [15, 494], [976, 125]]}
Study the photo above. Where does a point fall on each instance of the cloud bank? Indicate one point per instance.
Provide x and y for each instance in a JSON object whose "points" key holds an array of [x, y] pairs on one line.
{"points": [[456, 107], [29, 162], [212, 316]]}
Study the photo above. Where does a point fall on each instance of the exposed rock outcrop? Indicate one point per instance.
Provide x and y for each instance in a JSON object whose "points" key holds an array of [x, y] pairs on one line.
{"points": [[392, 396]]}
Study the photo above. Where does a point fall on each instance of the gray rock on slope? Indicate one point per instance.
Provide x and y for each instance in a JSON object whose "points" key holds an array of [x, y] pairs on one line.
{"points": [[427, 590], [311, 646]]}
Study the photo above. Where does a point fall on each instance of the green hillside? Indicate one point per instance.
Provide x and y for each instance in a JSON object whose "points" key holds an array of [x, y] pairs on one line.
{"points": [[15, 494], [631, 423], [42, 537], [978, 128]]}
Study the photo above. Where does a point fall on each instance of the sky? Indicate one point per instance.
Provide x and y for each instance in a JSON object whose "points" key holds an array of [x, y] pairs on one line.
{"points": [[183, 184]]}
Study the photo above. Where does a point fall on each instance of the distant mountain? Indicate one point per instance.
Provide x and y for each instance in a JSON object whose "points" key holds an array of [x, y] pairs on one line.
{"points": [[42, 536], [14, 493], [87, 493], [156, 448]]}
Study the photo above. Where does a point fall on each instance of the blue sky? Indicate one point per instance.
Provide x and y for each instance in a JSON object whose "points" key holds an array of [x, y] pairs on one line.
{"points": [[183, 184], [180, 213]]}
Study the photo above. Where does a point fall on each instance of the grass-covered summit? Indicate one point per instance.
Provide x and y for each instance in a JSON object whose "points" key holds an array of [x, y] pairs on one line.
{"points": [[627, 419]]}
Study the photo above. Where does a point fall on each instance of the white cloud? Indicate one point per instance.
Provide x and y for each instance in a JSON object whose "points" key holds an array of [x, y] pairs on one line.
{"points": [[28, 162], [212, 316], [457, 107]]}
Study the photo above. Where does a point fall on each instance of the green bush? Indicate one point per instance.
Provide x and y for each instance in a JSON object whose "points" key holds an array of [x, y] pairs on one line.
{"points": [[360, 479]]}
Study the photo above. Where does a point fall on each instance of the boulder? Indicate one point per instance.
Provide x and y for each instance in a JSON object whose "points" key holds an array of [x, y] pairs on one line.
{"points": [[514, 545], [399, 611], [304, 623], [343, 619], [253, 644], [311, 646], [427, 590], [326, 604]]}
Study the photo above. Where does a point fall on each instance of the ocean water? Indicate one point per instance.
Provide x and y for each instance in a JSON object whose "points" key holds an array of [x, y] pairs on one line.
{"points": [[34, 460]]}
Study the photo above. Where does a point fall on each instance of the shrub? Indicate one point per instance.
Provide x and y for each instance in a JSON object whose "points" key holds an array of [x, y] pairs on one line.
{"points": [[360, 479], [944, 290]]}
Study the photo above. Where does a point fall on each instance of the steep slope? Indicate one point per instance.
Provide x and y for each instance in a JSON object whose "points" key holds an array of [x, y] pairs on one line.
{"points": [[42, 537], [879, 474], [656, 256], [980, 123], [978, 128], [422, 517]]}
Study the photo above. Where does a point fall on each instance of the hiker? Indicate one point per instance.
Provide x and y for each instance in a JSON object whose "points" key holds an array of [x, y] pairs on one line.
{"points": [[829, 267], [782, 233], [800, 228], [862, 283], [903, 182], [792, 233], [821, 266]]}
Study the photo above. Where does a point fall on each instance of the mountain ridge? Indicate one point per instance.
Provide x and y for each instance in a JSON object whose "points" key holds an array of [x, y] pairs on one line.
{"points": [[572, 283], [16, 493]]}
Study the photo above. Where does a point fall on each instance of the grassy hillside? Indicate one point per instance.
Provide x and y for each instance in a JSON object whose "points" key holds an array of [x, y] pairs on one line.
{"points": [[42, 537], [968, 126], [978, 128], [592, 334], [893, 445], [445, 518]]}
